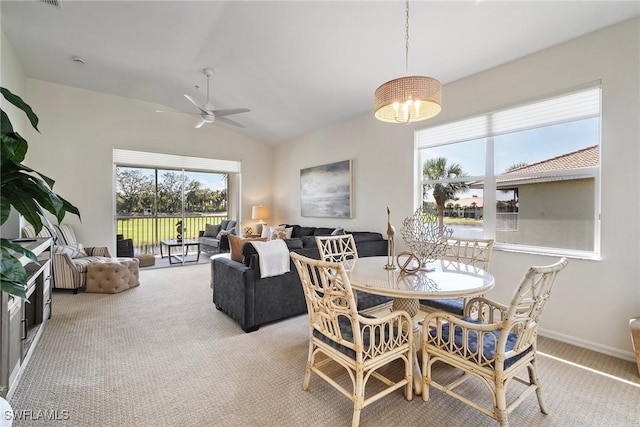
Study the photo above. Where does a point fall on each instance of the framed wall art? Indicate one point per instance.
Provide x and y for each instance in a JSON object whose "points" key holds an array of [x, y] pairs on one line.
{"points": [[325, 191]]}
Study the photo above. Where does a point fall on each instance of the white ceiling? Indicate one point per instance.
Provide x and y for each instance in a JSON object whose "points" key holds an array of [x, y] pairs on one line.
{"points": [[298, 66]]}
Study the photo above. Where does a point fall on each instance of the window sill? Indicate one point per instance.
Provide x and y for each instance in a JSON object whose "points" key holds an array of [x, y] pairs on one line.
{"points": [[535, 250]]}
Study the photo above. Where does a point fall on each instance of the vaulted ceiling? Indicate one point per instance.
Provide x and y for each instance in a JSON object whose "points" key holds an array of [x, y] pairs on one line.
{"points": [[298, 66]]}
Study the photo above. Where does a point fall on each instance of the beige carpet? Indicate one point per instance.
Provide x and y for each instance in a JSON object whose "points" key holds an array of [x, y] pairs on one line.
{"points": [[162, 355]]}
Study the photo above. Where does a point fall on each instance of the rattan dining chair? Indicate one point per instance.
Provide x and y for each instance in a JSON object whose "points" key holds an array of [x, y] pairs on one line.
{"points": [[339, 248], [473, 252], [342, 248], [338, 334], [494, 346]]}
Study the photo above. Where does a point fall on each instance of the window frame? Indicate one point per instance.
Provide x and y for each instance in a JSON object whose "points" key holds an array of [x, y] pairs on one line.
{"points": [[468, 131]]}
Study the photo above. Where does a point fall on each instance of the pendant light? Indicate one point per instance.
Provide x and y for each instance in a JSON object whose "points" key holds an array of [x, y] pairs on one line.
{"points": [[408, 99]]}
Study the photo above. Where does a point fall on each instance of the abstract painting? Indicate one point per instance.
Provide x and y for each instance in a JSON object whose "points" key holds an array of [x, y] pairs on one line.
{"points": [[325, 191]]}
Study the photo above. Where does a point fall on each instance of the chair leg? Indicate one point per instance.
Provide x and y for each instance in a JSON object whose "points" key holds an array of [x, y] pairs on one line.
{"points": [[307, 372], [358, 397], [501, 402], [409, 373], [533, 379], [426, 376]]}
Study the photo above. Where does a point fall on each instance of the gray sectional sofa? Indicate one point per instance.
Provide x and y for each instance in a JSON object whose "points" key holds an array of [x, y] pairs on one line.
{"points": [[240, 292]]}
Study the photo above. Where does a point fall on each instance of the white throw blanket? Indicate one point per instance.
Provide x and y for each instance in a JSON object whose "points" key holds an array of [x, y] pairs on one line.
{"points": [[274, 257]]}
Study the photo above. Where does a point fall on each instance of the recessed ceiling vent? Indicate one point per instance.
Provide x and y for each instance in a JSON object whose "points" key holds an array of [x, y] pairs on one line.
{"points": [[54, 3]]}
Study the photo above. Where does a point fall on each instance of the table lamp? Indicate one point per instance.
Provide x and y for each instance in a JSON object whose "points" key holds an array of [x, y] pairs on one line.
{"points": [[260, 213]]}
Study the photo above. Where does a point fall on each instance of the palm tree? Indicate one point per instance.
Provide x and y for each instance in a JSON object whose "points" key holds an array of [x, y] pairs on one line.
{"points": [[437, 169]]}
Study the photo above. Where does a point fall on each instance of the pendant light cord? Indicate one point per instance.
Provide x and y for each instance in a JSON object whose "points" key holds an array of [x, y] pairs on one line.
{"points": [[407, 40]]}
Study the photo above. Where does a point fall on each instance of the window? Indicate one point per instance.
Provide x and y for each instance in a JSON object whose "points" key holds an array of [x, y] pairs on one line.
{"points": [[526, 176]]}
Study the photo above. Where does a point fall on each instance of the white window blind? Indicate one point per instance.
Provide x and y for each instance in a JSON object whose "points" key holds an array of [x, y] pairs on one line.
{"points": [[578, 105], [171, 161]]}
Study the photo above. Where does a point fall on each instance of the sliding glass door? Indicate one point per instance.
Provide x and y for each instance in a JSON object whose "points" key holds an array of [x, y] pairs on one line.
{"points": [[163, 210]]}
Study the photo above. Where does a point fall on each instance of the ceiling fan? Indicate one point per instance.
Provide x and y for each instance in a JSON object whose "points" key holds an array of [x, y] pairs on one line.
{"points": [[207, 112]]}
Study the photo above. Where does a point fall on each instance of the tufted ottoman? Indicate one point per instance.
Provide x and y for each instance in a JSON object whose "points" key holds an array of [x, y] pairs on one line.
{"points": [[113, 275], [146, 260]]}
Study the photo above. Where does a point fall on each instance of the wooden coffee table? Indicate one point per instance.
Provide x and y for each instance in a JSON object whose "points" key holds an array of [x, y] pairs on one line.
{"points": [[182, 257]]}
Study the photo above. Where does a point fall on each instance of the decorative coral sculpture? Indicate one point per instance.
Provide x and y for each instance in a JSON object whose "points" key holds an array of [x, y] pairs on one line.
{"points": [[425, 237]]}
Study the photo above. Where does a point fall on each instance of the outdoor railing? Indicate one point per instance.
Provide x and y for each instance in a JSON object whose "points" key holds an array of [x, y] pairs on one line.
{"points": [[148, 231]]}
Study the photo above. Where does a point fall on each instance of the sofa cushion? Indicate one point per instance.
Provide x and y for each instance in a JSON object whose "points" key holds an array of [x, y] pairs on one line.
{"points": [[66, 236], [209, 241], [72, 251], [249, 250], [211, 230], [266, 231], [294, 244], [365, 236], [490, 340], [280, 233], [302, 231], [229, 226], [309, 242], [237, 243], [323, 231]]}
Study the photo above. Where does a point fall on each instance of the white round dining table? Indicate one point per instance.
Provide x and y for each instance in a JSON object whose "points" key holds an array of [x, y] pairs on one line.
{"points": [[442, 279]]}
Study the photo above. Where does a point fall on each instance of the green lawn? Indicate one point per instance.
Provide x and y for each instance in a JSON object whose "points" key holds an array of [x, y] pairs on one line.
{"points": [[149, 231], [462, 221]]}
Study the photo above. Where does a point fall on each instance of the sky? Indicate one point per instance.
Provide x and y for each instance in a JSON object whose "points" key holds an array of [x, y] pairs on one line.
{"points": [[528, 146], [212, 181]]}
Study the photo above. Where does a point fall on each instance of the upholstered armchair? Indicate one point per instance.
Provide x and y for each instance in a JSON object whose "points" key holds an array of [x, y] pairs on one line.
{"points": [[69, 259]]}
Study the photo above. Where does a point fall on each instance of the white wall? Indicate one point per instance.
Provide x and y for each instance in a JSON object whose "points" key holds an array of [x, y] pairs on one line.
{"points": [[80, 128], [594, 300]]}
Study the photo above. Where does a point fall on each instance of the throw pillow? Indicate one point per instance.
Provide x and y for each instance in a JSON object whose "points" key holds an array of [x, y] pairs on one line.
{"points": [[266, 231], [338, 232], [281, 233], [72, 251], [236, 243], [211, 230]]}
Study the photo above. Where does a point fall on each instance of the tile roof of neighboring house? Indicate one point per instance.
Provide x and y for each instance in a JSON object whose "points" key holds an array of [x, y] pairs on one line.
{"points": [[467, 201], [583, 158]]}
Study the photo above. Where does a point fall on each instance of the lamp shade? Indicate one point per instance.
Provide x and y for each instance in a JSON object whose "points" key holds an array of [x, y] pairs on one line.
{"points": [[408, 99], [260, 212]]}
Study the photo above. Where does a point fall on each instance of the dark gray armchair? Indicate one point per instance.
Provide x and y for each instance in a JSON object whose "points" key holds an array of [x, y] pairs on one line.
{"points": [[214, 238], [124, 247]]}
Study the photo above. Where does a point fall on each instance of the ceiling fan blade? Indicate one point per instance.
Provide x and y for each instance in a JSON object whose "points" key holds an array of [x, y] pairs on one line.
{"points": [[178, 112], [196, 104], [228, 121], [228, 112], [200, 124]]}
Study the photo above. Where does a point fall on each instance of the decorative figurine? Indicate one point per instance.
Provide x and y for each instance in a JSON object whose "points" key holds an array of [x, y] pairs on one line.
{"points": [[391, 231], [179, 230]]}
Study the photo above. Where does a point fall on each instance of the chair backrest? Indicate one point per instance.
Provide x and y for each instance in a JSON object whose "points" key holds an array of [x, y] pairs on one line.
{"points": [[475, 252], [330, 299], [46, 232], [338, 248], [66, 235], [527, 304]]}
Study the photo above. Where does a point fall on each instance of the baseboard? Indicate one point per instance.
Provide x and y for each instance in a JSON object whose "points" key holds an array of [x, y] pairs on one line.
{"points": [[589, 345]]}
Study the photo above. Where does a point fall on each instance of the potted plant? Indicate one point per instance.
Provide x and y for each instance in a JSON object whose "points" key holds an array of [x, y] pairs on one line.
{"points": [[28, 191]]}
